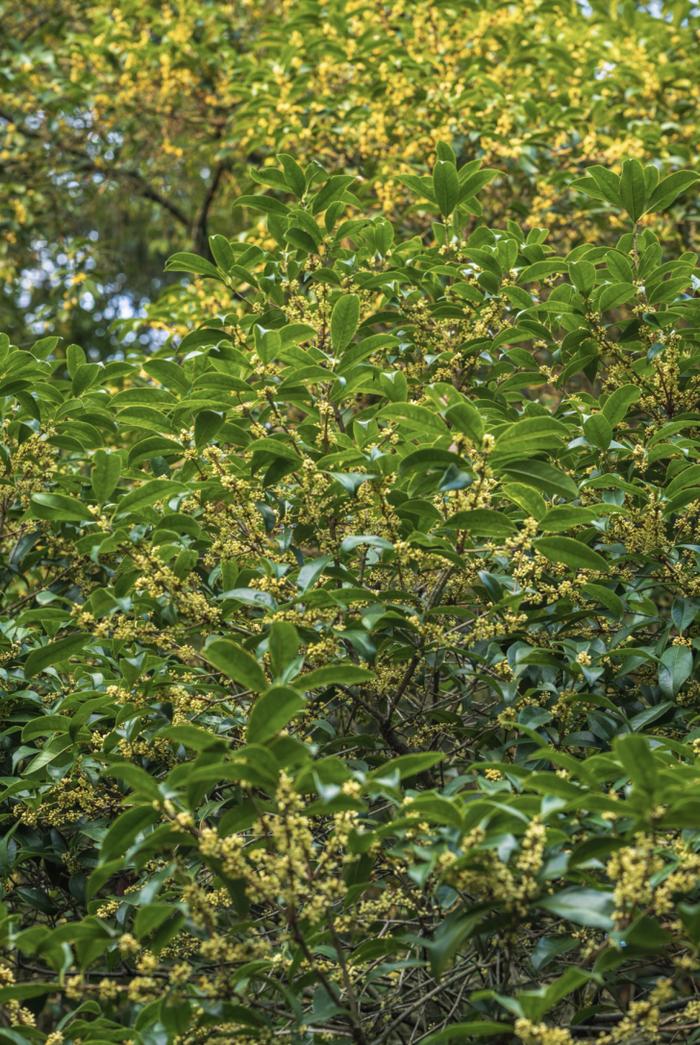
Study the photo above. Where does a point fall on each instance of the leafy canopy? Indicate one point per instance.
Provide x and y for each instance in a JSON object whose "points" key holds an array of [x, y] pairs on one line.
{"points": [[127, 130], [349, 648]]}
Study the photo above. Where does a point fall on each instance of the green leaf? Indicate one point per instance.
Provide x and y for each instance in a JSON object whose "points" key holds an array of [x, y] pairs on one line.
{"points": [[635, 755], [484, 522], [618, 403], [311, 571], [573, 553], [184, 261], [333, 190], [283, 643], [57, 507], [670, 188], [589, 907], [345, 319], [675, 668], [598, 431], [436, 809], [54, 653], [150, 916], [171, 374], [365, 539], [147, 494], [124, 830], [527, 498], [566, 516], [474, 183], [537, 1003], [221, 252], [446, 186], [334, 675], [633, 193], [293, 174], [237, 663], [539, 270], [466, 418], [600, 183], [265, 204], [206, 425], [195, 339], [530, 434], [106, 470], [11, 1037], [414, 416], [271, 712], [141, 782], [583, 275], [612, 295], [646, 934], [408, 765], [192, 737], [542, 476], [24, 991], [449, 937], [690, 916], [605, 597]]}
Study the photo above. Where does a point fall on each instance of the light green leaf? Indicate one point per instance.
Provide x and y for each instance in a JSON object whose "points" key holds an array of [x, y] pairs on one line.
{"points": [[573, 553], [589, 907], [484, 522], [271, 712], [633, 193], [54, 653], [147, 494], [598, 431], [670, 188], [466, 418], [283, 643], [408, 765], [106, 470], [57, 507], [333, 675], [446, 186], [184, 261], [345, 319], [675, 668], [237, 663]]}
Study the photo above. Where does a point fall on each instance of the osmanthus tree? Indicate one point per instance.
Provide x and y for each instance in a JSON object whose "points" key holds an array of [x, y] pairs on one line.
{"points": [[349, 649], [126, 130]]}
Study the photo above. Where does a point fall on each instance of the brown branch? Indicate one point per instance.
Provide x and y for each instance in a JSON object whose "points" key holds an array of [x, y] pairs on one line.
{"points": [[89, 165], [200, 232]]}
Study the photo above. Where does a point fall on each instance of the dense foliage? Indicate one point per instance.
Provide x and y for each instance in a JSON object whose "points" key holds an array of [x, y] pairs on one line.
{"points": [[126, 130], [348, 645]]}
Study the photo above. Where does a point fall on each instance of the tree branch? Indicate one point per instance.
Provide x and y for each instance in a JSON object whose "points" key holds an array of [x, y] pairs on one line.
{"points": [[88, 165], [200, 232]]}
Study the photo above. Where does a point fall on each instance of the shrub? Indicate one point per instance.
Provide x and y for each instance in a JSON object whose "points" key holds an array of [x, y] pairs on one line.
{"points": [[348, 647]]}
